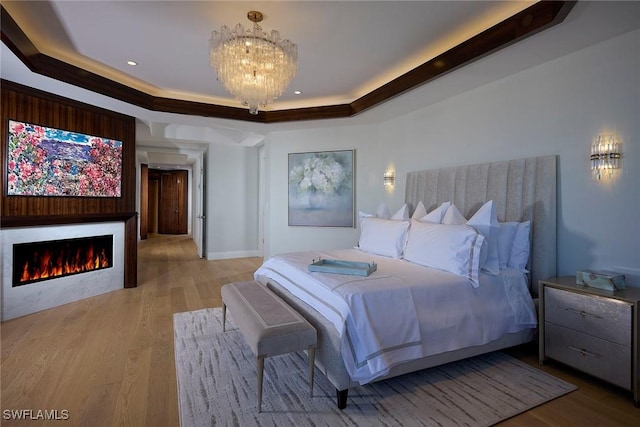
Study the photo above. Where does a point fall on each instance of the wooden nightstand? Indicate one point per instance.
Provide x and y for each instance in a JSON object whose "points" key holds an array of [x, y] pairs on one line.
{"points": [[592, 330]]}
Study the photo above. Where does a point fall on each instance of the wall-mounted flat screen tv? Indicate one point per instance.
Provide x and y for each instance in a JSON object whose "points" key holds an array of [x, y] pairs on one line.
{"points": [[43, 161]]}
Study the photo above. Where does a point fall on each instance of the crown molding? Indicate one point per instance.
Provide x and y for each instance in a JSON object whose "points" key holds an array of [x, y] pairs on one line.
{"points": [[526, 23]]}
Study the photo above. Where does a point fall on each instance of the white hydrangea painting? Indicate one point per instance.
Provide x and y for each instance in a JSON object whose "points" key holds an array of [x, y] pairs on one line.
{"points": [[321, 189]]}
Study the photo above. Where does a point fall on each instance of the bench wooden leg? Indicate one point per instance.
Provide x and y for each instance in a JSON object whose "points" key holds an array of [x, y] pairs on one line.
{"points": [[312, 363], [260, 370], [224, 316]]}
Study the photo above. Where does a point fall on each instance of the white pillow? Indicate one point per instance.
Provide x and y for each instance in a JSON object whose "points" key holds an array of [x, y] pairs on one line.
{"points": [[383, 211], [436, 215], [521, 247], [362, 215], [384, 237], [485, 220], [452, 248], [453, 216], [402, 214], [506, 234], [419, 212]]}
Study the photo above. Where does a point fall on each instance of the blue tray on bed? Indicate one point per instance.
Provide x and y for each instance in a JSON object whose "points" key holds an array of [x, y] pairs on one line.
{"points": [[336, 266]]}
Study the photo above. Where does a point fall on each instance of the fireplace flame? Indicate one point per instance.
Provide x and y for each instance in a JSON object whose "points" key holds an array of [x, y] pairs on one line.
{"points": [[45, 264]]}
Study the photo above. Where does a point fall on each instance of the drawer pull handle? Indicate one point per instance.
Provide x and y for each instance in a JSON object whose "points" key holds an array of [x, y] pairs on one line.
{"points": [[584, 352], [583, 313]]}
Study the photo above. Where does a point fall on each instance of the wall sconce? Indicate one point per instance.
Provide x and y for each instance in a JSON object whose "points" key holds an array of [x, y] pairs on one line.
{"points": [[389, 178], [605, 156]]}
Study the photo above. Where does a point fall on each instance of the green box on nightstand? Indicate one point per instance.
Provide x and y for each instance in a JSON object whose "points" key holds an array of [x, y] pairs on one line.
{"points": [[607, 280]]}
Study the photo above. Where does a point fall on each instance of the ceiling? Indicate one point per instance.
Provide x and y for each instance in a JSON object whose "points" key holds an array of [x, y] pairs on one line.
{"points": [[346, 48], [353, 55]]}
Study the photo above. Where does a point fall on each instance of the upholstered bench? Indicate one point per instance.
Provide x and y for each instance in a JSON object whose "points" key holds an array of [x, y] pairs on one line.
{"points": [[268, 325]]}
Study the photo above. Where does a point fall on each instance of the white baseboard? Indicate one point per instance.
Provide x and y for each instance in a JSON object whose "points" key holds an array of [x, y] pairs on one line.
{"points": [[233, 254]]}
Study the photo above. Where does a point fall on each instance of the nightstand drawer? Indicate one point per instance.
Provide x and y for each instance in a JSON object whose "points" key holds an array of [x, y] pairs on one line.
{"points": [[600, 317], [600, 358]]}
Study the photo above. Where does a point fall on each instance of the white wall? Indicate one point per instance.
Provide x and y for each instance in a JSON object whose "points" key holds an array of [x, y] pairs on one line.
{"points": [[369, 166], [554, 108], [232, 202], [557, 107]]}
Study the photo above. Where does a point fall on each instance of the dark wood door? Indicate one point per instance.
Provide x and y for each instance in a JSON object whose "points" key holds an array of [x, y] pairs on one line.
{"points": [[172, 203], [144, 201]]}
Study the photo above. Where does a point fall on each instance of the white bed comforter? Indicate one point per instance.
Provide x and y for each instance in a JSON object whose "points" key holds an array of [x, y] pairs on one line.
{"points": [[403, 311]]}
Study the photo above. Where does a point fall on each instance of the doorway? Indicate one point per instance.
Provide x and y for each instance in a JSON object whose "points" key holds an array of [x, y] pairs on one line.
{"points": [[168, 201], [190, 194]]}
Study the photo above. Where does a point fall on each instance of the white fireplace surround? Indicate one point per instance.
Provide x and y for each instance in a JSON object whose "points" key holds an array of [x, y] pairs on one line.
{"points": [[33, 297]]}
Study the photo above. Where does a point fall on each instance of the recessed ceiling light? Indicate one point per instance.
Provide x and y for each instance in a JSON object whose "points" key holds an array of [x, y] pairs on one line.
{"points": [[297, 92], [133, 63]]}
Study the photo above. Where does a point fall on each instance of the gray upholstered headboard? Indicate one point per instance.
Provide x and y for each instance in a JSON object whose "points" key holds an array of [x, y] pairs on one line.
{"points": [[523, 189]]}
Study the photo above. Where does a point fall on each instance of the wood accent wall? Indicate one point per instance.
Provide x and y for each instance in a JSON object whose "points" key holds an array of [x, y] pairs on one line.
{"points": [[30, 105]]}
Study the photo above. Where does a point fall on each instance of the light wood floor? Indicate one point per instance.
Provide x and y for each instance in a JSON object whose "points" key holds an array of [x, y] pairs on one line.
{"points": [[109, 360]]}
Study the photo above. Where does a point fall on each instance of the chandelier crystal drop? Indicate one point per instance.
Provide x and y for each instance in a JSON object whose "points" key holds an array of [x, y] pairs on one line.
{"points": [[255, 67]]}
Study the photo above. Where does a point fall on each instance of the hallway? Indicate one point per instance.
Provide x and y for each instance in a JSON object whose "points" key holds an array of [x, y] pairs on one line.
{"points": [[170, 264]]}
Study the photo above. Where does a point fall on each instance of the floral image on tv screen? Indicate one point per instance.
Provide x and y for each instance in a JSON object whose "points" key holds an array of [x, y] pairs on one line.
{"points": [[44, 161]]}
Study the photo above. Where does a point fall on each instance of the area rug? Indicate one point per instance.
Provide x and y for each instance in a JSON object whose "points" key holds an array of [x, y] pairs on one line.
{"points": [[216, 374]]}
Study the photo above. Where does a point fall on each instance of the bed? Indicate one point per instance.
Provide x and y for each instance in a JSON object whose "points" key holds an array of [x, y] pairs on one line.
{"points": [[522, 190]]}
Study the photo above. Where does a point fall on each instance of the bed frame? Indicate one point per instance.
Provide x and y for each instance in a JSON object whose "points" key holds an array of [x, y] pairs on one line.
{"points": [[523, 189]]}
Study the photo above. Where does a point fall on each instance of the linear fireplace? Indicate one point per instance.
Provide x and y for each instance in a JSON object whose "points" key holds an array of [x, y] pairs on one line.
{"points": [[45, 260], [51, 246]]}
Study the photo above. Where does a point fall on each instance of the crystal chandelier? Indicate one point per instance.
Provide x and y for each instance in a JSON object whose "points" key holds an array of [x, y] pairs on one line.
{"points": [[255, 67]]}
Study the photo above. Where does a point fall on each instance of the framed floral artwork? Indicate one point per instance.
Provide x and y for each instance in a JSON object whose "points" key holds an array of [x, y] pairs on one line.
{"points": [[43, 161], [321, 189]]}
